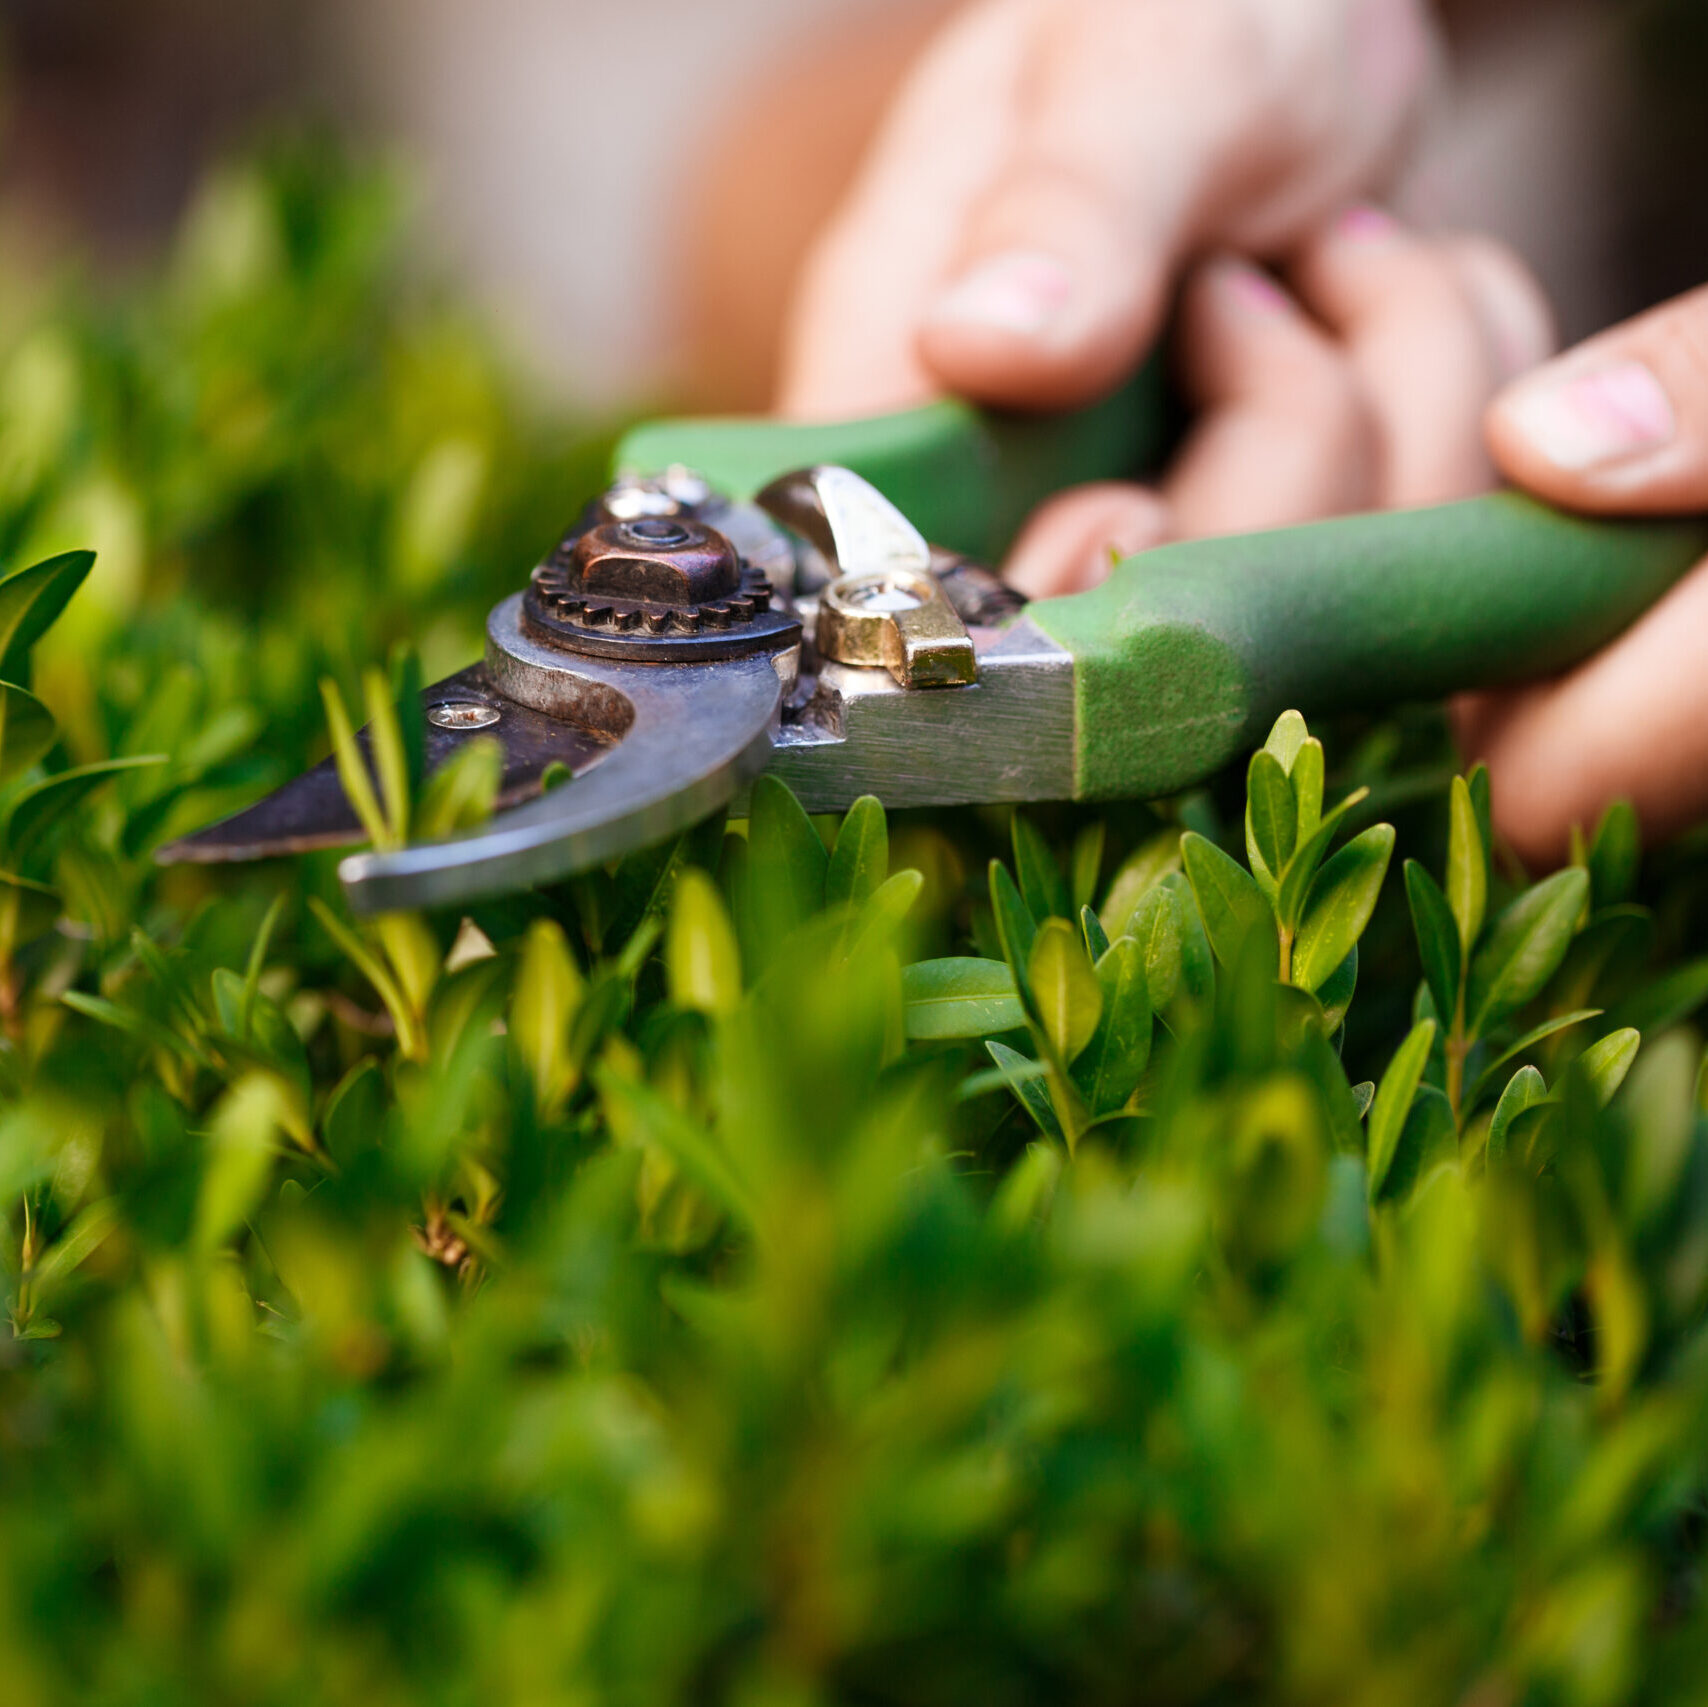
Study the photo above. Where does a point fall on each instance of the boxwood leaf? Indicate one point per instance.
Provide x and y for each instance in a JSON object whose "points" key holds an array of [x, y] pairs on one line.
{"points": [[1229, 901], [27, 730], [701, 959], [1287, 739], [1342, 899], [1666, 1001], [1467, 865], [1140, 873], [1096, 939], [1437, 937], [1025, 1079], [1363, 1095], [861, 858], [1606, 1063], [44, 804], [874, 927], [1490, 1075], [786, 863], [1041, 880], [1065, 989], [549, 991], [1088, 863], [1109, 1070], [1295, 889], [1335, 996], [963, 998], [1156, 928], [30, 602], [462, 792], [1307, 779], [1015, 922], [1524, 949], [1615, 856], [1393, 1102], [1271, 814], [1197, 959], [1525, 1089]]}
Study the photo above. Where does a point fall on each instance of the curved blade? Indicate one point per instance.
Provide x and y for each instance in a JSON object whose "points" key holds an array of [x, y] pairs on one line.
{"points": [[690, 736]]}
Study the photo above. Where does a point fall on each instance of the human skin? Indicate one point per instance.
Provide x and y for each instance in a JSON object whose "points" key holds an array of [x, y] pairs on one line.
{"points": [[1618, 426], [1057, 178]]}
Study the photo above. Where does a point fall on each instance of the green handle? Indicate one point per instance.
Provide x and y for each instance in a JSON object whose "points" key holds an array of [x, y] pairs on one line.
{"points": [[1185, 655], [966, 479]]}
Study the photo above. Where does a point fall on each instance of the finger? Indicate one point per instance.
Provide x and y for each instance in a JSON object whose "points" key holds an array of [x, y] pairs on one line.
{"points": [[1284, 435], [849, 348], [1619, 424], [1410, 315], [1147, 128], [1630, 723], [1072, 541]]}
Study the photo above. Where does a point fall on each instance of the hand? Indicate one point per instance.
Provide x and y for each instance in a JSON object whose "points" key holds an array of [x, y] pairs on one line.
{"points": [[1618, 426], [1039, 195]]}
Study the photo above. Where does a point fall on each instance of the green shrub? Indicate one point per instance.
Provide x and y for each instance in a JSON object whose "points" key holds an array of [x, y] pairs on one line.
{"points": [[811, 1262]]}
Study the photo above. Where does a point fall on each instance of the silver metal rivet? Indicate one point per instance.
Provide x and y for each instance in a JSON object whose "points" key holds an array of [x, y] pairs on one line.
{"points": [[462, 714]]}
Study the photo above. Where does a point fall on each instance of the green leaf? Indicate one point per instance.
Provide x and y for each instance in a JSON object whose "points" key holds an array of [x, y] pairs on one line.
{"points": [[1041, 880], [1113, 1062], [1336, 994], [1197, 959], [353, 767], [1605, 1064], [1437, 934], [1015, 926], [1091, 929], [87, 1231], [1393, 1102], [1363, 1095], [1667, 1001], [548, 992], [1615, 856], [1156, 928], [963, 998], [43, 805], [701, 959], [1025, 1080], [1307, 774], [411, 723], [874, 927], [1271, 815], [27, 731], [1287, 740], [30, 602], [369, 964], [1526, 1089], [1294, 892], [1524, 949], [1490, 1076], [1229, 901], [1341, 902], [1467, 866], [861, 860], [694, 1150], [786, 863], [257, 964], [390, 754], [1139, 874], [1087, 863], [1065, 989], [462, 791]]}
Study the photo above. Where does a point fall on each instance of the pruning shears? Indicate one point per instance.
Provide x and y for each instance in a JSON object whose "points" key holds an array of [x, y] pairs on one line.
{"points": [[811, 599]]}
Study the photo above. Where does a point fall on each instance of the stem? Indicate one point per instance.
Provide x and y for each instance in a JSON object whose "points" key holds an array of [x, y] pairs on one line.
{"points": [[1458, 1047], [1286, 953]]}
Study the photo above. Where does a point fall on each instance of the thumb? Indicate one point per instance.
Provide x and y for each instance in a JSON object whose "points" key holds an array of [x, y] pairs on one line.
{"points": [[1618, 425]]}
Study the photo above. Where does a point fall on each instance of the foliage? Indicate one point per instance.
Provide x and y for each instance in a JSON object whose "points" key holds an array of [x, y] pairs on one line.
{"points": [[786, 1266]]}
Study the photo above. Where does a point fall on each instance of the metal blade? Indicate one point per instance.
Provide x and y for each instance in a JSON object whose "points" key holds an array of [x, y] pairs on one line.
{"points": [[312, 812], [688, 737]]}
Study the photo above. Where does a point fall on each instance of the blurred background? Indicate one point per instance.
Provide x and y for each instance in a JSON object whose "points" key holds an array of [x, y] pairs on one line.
{"points": [[628, 188]]}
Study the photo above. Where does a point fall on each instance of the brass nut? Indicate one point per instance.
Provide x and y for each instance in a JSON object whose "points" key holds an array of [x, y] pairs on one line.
{"points": [[897, 620]]}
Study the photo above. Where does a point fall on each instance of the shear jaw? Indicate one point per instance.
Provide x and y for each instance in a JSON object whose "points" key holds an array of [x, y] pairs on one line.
{"points": [[658, 652]]}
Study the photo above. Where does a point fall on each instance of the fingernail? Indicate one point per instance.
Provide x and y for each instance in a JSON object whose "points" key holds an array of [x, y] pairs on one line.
{"points": [[1255, 289], [1597, 417], [1366, 224], [1023, 291]]}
